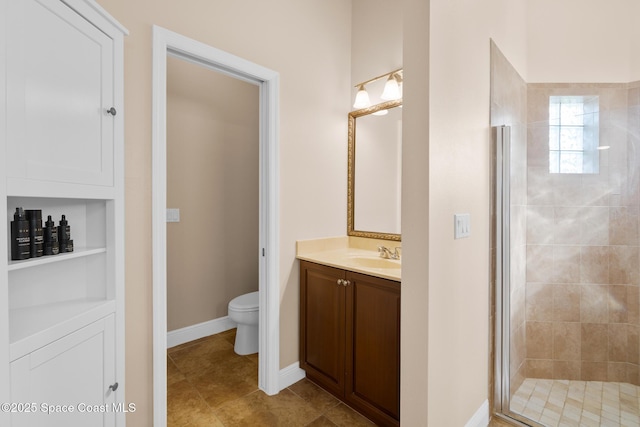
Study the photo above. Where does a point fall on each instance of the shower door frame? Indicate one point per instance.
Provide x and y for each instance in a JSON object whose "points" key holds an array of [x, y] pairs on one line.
{"points": [[501, 136]]}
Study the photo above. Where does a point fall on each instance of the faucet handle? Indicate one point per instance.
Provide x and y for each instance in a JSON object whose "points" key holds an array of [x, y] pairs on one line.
{"points": [[384, 251]]}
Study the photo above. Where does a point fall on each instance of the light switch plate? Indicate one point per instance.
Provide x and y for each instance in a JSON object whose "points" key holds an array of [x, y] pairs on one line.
{"points": [[461, 225], [173, 215]]}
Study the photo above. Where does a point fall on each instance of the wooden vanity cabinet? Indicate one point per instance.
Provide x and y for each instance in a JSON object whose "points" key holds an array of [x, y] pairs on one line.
{"points": [[350, 338]]}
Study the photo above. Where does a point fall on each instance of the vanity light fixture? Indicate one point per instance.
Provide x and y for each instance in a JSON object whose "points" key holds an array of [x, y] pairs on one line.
{"points": [[362, 98], [392, 89]]}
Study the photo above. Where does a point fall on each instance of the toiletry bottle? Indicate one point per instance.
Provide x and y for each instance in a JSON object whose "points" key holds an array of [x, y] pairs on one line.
{"points": [[34, 216], [64, 235], [51, 246], [20, 241]]}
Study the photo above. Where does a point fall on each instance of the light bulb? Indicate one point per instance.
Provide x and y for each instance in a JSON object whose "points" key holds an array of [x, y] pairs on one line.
{"points": [[391, 89], [362, 98]]}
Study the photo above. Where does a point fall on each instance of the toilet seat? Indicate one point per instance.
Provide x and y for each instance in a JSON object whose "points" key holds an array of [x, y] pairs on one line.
{"points": [[246, 302]]}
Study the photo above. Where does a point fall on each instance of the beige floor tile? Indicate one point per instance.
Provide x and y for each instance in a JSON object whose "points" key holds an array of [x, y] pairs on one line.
{"points": [[321, 421], [258, 409], [199, 357], [186, 407], [343, 416], [229, 379], [317, 397], [190, 344], [208, 385], [173, 373], [497, 422], [590, 403]]}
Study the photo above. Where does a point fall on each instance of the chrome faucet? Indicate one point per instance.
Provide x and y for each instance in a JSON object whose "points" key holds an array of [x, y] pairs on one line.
{"points": [[386, 252]]}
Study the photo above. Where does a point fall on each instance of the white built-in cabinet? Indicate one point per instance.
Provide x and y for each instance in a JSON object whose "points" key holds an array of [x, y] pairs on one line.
{"points": [[62, 151]]}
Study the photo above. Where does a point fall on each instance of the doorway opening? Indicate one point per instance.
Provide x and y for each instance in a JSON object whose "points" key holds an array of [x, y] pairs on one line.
{"points": [[167, 43]]}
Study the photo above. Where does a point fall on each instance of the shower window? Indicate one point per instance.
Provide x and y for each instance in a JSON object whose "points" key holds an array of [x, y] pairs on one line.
{"points": [[573, 134]]}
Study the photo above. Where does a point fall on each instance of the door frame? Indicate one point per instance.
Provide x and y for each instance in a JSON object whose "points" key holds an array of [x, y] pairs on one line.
{"points": [[167, 43]]}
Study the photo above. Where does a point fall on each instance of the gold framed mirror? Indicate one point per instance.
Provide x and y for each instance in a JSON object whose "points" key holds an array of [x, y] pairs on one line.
{"points": [[375, 171]]}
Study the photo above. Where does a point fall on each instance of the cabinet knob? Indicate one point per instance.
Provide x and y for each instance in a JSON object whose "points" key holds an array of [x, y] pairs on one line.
{"points": [[112, 111], [343, 282], [346, 282], [113, 387]]}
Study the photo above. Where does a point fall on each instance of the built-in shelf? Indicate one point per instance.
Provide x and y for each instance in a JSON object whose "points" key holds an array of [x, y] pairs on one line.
{"points": [[34, 262], [21, 187], [34, 327]]}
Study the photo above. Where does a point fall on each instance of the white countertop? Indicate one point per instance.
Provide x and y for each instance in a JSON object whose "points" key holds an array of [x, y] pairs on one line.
{"points": [[351, 253]]}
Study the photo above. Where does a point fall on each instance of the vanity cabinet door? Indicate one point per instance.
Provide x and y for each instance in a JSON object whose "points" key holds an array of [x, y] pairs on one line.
{"points": [[72, 374], [373, 347], [322, 325], [60, 86], [350, 338]]}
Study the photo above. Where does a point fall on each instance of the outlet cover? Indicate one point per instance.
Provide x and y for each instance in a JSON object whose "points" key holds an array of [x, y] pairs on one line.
{"points": [[462, 225], [173, 215]]}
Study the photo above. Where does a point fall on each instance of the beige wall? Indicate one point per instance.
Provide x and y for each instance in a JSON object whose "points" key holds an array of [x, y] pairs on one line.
{"points": [[458, 181], [634, 52], [596, 45], [446, 60], [376, 49], [212, 177], [376, 43], [308, 44]]}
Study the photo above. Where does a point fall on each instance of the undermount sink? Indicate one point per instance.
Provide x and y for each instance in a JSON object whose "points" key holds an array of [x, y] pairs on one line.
{"points": [[374, 262]]}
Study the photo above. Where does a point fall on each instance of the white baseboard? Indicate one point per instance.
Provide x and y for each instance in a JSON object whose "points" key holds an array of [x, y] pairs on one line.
{"points": [[481, 417], [201, 330], [290, 375]]}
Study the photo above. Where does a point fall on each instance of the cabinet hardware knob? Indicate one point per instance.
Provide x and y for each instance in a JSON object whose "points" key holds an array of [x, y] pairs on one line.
{"points": [[112, 111], [347, 282], [113, 387], [339, 282]]}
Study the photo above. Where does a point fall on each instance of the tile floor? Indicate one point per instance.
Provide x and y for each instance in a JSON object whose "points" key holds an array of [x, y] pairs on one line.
{"points": [[209, 385], [578, 403]]}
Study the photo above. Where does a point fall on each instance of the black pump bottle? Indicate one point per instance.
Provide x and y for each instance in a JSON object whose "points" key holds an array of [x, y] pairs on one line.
{"points": [[51, 246], [20, 240], [64, 236]]}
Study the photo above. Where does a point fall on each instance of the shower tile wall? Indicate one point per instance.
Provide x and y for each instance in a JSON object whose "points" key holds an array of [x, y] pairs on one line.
{"points": [[582, 305], [509, 108]]}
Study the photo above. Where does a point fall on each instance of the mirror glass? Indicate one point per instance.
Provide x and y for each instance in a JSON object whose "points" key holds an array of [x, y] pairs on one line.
{"points": [[375, 171]]}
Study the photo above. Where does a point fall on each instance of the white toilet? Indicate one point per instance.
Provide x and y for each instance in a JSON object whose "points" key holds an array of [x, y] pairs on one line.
{"points": [[244, 311]]}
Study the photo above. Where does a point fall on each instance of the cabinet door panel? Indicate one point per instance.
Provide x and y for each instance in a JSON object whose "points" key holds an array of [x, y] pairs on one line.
{"points": [[74, 371], [60, 83], [373, 359], [322, 312]]}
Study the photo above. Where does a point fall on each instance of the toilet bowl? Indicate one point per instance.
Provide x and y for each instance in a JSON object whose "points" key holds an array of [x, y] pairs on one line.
{"points": [[244, 311]]}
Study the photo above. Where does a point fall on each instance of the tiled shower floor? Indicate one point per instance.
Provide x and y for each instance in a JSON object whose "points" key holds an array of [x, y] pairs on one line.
{"points": [[578, 403]]}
